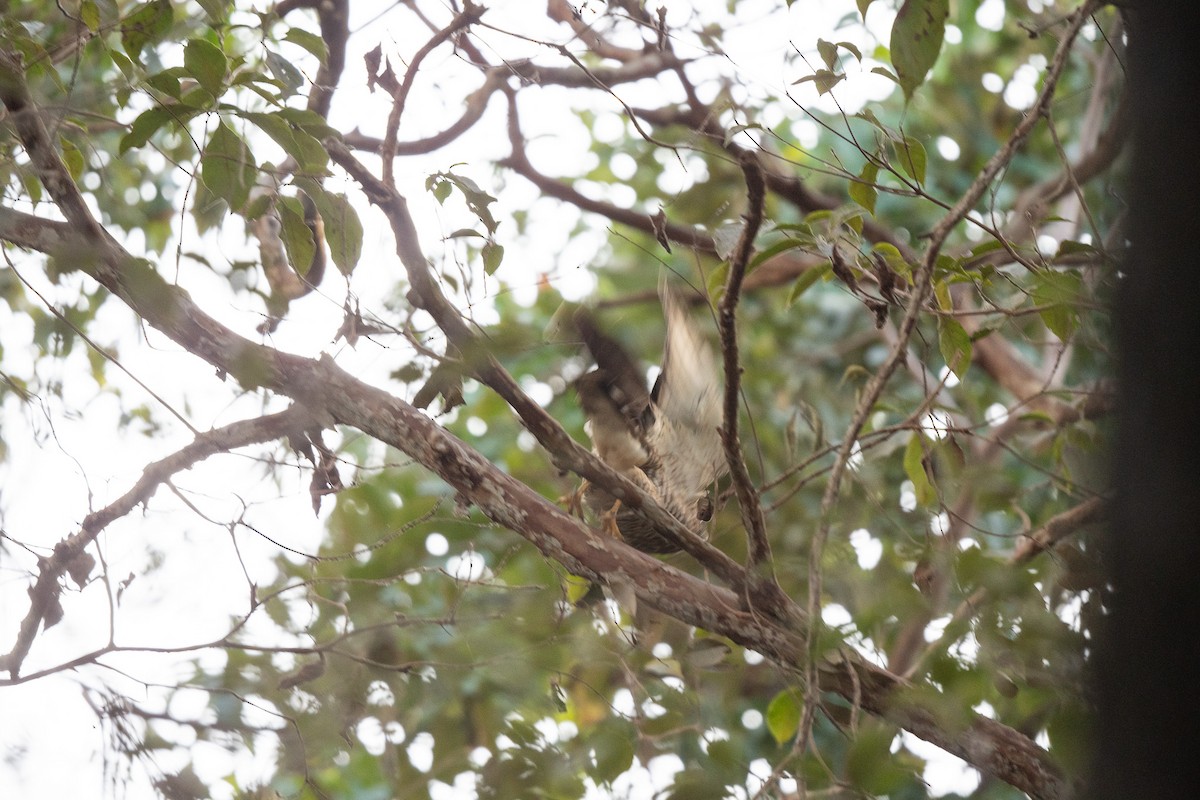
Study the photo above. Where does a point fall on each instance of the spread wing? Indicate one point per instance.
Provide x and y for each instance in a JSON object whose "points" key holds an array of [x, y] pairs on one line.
{"points": [[687, 396], [666, 440], [623, 378]]}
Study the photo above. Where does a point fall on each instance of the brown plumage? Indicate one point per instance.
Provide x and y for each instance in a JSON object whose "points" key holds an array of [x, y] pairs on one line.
{"points": [[664, 440]]}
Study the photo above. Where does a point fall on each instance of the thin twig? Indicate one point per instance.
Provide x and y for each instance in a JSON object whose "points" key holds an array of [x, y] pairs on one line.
{"points": [[45, 591], [387, 150]]}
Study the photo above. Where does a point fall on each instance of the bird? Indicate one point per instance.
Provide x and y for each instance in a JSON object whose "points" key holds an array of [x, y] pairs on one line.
{"points": [[665, 440]]}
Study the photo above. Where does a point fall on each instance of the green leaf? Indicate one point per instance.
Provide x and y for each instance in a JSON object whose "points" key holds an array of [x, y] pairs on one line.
{"points": [[716, 280], [863, 191], [870, 765], [828, 51], [1060, 292], [911, 155], [205, 62], [893, 258], [851, 48], [493, 254], [147, 23], [149, 122], [310, 122], [228, 167], [772, 251], [308, 152], [807, 279], [288, 76], [440, 187], [72, 158], [863, 5], [297, 236], [914, 468], [941, 293], [343, 229], [343, 232], [824, 79], [917, 40], [216, 9], [885, 72], [955, 345], [89, 14], [783, 716], [613, 747], [309, 41]]}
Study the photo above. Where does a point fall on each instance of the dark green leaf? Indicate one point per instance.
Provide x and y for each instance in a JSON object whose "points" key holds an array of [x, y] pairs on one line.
{"points": [[955, 345], [807, 279], [150, 121], [870, 764], [917, 40], [343, 229], [914, 468], [288, 76], [298, 144], [228, 167], [296, 235], [146, 24], [492, 254], [1060, 292]]}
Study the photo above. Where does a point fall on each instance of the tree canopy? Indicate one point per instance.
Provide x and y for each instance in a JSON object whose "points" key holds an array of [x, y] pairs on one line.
{"points": [[324, 257]]}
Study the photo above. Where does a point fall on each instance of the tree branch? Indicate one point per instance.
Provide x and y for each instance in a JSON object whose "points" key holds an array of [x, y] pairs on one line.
{"points": [[748, 500], [387, 152], [69, 556]]}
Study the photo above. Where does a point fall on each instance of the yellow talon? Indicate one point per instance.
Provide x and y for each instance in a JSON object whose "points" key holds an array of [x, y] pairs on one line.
{"points": [[574, 500], [608, 521]]}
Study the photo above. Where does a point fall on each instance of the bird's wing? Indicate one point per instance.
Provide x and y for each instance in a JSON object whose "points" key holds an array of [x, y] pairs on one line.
{"points": [[688, 398], [623, 379]]}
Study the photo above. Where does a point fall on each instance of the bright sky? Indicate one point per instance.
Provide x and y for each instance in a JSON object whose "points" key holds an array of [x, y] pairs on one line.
{"points": [[68, 457]]}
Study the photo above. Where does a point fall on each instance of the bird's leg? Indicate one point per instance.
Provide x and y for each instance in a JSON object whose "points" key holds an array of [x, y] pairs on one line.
{"points": [[608, 521], [574, 500]]}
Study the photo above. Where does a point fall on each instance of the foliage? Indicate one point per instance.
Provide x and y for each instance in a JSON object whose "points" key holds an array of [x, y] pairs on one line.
{"points": [[920, 331]]}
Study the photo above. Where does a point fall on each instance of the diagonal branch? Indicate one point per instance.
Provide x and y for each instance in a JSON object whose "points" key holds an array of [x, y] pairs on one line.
{"points": [[568, 454]]}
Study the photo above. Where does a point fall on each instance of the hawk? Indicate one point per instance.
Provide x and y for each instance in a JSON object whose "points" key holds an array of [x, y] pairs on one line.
{"points": [[665, 440]]}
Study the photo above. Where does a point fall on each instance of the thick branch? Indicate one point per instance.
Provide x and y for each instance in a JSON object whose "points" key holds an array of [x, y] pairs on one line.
{"points": [[648, 65]]}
